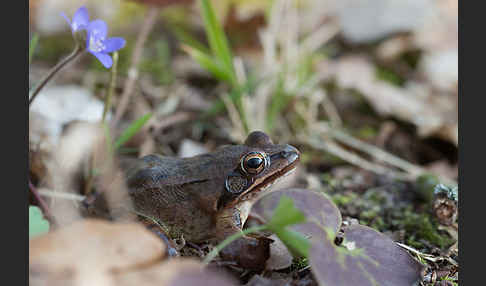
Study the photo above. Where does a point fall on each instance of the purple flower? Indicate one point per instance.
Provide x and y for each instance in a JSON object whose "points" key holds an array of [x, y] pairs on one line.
{"points": [[80, 19], [98, 45], [96, 42]]}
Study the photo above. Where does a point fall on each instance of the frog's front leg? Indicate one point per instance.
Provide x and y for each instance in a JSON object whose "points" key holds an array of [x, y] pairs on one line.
{"points": [[247, 251]]}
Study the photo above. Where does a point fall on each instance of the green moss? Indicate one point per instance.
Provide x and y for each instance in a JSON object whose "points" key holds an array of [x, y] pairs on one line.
{"points": [[367, 132], [423, 227], [342, 199], [299, 263], [425, 186], [388, 75]]}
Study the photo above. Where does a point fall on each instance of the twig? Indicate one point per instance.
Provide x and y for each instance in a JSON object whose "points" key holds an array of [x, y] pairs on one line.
{"points": [[147, 26], [77, 51], [428, 257], [413, 170], [62, 195], [354, 159], [41, 202]]}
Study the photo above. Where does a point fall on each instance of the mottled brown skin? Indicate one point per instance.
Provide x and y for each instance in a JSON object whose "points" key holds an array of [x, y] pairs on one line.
{"points": [[192, 197]]}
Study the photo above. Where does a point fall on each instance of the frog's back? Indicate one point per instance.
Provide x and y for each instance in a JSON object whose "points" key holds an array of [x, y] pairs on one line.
{"points": [[160, 189]]}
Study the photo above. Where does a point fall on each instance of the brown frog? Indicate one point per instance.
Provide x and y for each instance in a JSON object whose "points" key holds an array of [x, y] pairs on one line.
{"points": [[208, 197]]}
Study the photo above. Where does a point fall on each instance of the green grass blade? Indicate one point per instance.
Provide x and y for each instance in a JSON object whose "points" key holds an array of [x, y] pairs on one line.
{"points": [[131, 130], [32, 45], [188, 40], [217, 39], [209, 63]]}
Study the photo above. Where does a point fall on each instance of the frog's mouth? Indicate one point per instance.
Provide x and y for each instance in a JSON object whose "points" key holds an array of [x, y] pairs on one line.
{"points": [[281, 164], [257, 189], [289, 157]]}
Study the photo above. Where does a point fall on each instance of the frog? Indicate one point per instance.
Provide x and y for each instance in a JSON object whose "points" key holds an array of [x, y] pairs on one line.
{"points": [[208, 197]]}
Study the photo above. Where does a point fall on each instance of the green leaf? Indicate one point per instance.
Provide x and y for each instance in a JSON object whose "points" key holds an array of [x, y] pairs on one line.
{"points": [[131, 130], [285, 214], [217, 39], [296, 243], [37, 224], [32, 45], [211, 64]]}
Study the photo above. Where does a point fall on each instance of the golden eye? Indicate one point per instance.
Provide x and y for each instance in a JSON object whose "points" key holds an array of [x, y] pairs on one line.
{"points": [[254, 163]]}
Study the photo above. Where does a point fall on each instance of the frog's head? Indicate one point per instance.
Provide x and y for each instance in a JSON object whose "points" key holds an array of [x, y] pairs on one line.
{"points": [[260, 164]]}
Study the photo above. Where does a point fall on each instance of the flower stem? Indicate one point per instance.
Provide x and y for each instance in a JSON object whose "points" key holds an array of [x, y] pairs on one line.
{"points": [[111, 89], [229, 240], [77, 51]]}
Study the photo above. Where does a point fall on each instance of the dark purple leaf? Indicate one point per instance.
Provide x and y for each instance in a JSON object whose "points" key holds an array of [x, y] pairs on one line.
{"points": [[366, 257], [320, 211]]}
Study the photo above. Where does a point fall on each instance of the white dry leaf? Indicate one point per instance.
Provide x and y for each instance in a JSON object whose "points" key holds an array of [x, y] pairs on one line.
{"points": [[56, 106], [433, 114], [438, 37], [191, 148], [441, 68], [365, 21]]}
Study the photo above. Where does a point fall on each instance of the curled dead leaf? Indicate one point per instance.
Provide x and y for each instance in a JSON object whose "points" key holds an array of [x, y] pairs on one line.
{"points": [[182, 271], [89, 251]]}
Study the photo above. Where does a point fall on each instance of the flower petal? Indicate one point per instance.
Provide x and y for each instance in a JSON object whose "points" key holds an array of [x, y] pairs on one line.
{"points": [[97, 29], [114, 44], [66, 18], [105, 59], [80, 18]]}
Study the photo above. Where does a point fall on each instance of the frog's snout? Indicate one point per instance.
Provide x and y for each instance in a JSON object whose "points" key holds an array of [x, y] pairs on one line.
{"points": [[290, 153]]}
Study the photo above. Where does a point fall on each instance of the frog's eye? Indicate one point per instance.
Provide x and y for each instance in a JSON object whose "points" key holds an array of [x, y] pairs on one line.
{"points": [[254, 162]]}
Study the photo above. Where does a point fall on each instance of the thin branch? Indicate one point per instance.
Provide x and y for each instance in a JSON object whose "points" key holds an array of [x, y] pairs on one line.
{"points": [[333, 148], [147, 26], [414, 170], [42, 204], [62, 195], [77, 51], [428, 257]]}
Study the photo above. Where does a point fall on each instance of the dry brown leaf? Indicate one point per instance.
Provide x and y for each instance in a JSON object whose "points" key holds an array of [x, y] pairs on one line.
{"points": [[433, 114], [89, 251], [181, 271], [280, 257]]}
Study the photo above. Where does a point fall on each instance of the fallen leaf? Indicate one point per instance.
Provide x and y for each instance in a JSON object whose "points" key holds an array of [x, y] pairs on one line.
{"points": [[175, 272], [433, 114], [280, 257], [319, 210], [89, 251], [366, 257]]}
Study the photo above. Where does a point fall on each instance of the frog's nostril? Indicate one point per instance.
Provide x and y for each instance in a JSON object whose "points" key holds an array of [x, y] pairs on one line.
{"points": [[291, 153]]}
